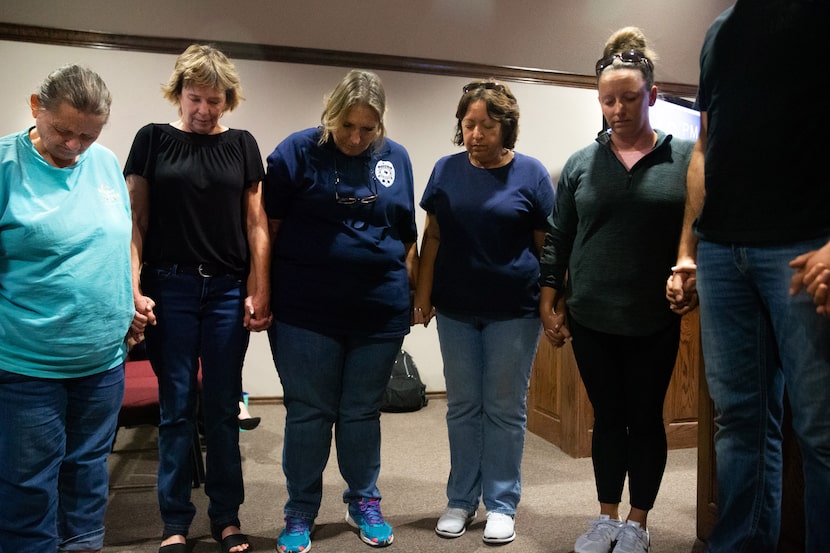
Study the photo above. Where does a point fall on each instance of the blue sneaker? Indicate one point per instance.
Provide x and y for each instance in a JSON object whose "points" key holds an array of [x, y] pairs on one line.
{"points": [[374, 530], [295, 537]]}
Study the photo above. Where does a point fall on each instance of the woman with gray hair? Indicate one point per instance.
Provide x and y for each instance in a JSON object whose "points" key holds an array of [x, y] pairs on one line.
{"points": [[65, 312], [340, 204]]}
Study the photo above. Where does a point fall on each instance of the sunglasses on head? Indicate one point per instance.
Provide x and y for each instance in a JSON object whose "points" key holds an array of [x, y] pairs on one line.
{"points": [[631, 56], [487, 85]]}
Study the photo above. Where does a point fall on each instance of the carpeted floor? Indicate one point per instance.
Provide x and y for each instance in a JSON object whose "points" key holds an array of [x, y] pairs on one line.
{"points": [[558, 495]]}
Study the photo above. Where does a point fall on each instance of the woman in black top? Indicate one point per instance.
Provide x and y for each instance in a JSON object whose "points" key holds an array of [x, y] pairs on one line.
{"points": [[200, 277]]}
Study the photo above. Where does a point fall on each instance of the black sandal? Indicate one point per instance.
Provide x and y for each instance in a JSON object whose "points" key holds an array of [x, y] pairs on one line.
{"points": [[229, 541]]}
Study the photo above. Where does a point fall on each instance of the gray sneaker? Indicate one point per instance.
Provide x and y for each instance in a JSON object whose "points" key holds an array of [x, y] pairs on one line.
{"points": [[600, 535], [632, 539], [453, 522]]}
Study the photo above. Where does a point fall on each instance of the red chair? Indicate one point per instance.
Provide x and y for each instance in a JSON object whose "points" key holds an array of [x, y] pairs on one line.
{"points": [[141, 407]]}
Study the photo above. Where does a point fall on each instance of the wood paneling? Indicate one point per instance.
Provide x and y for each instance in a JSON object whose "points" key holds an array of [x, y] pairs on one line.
{"points": [[558, 406]]}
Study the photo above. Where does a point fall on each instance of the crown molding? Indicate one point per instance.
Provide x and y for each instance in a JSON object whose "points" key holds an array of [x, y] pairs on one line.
{"points": [[311, 56]]}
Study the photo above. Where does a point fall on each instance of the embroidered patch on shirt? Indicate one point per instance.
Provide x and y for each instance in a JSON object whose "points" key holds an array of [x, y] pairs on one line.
{"points": [[385, 173]]}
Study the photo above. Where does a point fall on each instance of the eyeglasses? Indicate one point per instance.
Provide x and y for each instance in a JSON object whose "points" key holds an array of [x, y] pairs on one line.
{"points": [[487, 85], [355, 200], [631, 56]]}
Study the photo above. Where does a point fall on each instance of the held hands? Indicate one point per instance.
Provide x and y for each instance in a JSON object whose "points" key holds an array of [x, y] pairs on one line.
{"points": [[813, 273], [257, 317], [681, 289], [556, 331], [422, 311], [144, 316], [422, 314]]}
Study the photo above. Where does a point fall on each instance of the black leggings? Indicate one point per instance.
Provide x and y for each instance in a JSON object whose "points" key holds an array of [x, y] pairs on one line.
{"points": [[626, 378]]}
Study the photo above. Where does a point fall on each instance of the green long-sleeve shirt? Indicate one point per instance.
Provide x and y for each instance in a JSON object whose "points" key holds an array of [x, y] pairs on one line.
{"points": [[613, 235]]}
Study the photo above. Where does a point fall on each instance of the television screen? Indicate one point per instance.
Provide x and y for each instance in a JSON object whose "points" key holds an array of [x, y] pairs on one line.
{"points": [[675, 116]]}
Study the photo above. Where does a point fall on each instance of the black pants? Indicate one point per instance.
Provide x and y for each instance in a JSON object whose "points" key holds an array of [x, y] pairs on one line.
{"points": [[627, 378]]}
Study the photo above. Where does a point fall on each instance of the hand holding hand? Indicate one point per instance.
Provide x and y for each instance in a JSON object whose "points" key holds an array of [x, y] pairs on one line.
{"points": [[813, 274], [144, 315], [681, 288], [556, 331], [257, 317]]}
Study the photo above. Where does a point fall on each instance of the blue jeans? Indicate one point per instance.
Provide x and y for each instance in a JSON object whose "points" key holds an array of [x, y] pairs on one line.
{"points": [[199, 320], [487, 365], [758, 340], [54, 483], [330, 381]]}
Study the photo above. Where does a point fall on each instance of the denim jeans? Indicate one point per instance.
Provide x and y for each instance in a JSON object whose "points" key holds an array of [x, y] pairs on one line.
{"points": [[758, 340], [199, 320], [487, 365], [54, 483], [330, 382]]}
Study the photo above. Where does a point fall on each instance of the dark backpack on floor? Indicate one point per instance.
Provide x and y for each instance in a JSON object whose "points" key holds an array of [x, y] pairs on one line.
{"points": [[405, 391]]}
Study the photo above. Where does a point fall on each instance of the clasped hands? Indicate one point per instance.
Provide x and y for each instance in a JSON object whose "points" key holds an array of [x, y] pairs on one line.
{"points": [[681, 288]]}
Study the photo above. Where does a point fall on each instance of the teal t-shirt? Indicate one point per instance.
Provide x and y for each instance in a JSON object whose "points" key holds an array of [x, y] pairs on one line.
{"points": [[65, 288]]}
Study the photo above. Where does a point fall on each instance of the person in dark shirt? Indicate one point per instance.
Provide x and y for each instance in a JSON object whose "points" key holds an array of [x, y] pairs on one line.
{"points": [[340, 205], [756, 231], [486, 218], [200, 278]]}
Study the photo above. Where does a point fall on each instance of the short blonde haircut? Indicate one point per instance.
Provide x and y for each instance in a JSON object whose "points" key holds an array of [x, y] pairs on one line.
{"points": [[204, 66], [356, 88]]}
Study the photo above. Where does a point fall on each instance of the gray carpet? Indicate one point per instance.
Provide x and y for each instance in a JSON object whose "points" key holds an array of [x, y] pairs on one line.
{"points": [[557, 501]]}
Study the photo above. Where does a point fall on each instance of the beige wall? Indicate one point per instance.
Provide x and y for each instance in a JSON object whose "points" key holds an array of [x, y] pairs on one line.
{"points": [[561, 35], [283, 97]]}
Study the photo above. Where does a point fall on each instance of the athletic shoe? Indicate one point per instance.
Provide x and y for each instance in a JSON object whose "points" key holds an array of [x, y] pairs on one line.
{"points": [[600, 535], [295, 537], [632, 539], [365, 515], [453, 523], [499, 528]]}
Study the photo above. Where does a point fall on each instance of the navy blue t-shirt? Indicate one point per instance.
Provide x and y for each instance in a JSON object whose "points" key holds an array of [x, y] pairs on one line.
{"points": [[487, 262], [340, 269]]}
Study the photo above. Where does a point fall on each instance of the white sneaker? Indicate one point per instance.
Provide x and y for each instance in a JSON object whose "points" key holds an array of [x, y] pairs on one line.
{"points": [[453, 523], [499, 528], [600, 535], [632, 539]]}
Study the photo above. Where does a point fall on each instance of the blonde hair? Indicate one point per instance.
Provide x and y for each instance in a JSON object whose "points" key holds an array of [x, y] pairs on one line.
{"points": [[356, 88], [626, 39], [204, 66]]}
